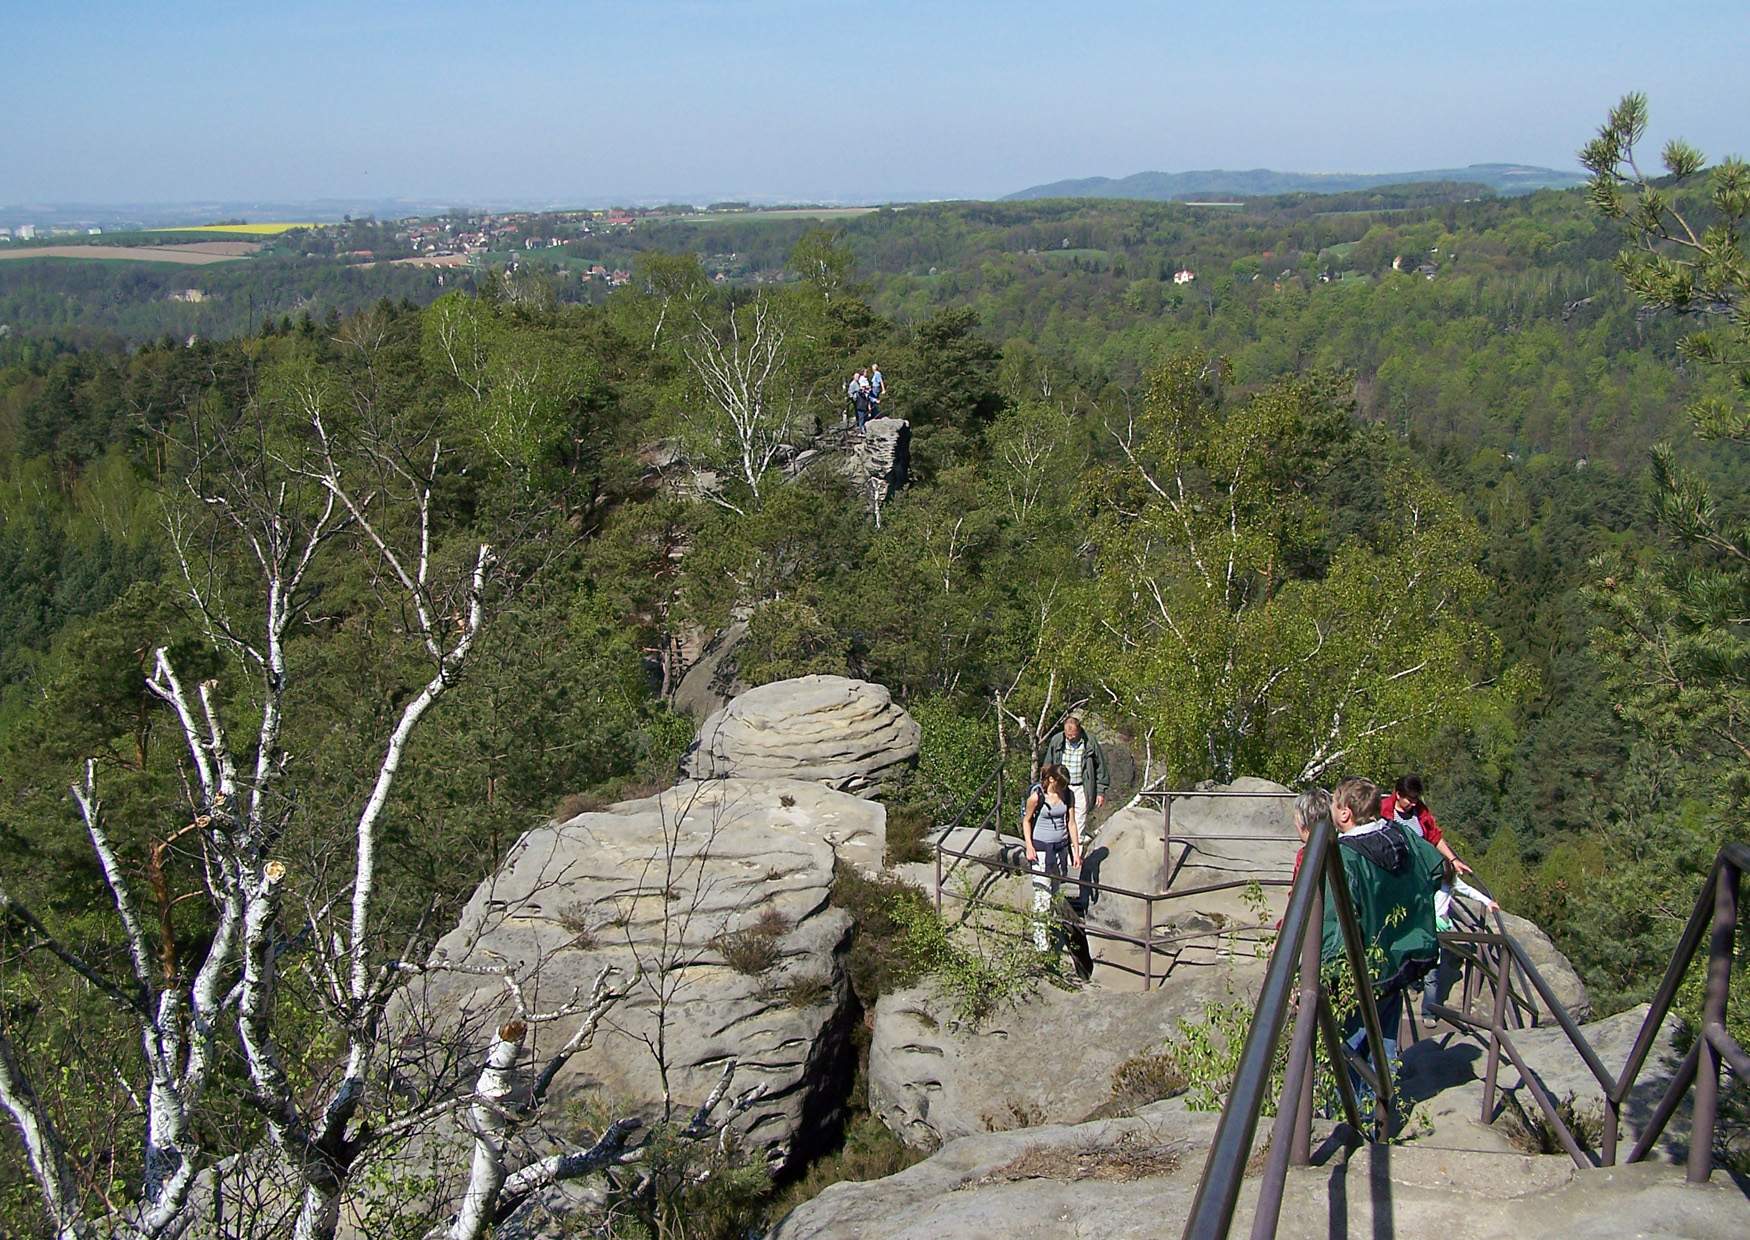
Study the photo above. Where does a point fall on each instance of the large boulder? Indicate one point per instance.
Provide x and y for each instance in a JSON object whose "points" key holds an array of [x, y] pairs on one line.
{"points": [[1216, 840], [847, 734], [713, 899], [1558, 1066], [1129, 1176], [710, 681], [1048, 1060], [1552, 966]]}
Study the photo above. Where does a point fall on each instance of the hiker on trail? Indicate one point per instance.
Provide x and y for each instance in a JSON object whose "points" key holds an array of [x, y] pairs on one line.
{"points": [[877, 389], [858, 390], [1075, 749], [1437, 985], [1404, 803], [1392, 874], [1049, 831], [1310, 808]]}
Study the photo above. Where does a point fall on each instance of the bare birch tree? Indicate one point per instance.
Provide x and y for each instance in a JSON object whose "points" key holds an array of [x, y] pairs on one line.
{"points": [[752, 396], [272, 500]]}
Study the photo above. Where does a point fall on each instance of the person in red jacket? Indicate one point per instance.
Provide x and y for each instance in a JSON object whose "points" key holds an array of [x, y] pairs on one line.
{"points": [[1405, 803]]}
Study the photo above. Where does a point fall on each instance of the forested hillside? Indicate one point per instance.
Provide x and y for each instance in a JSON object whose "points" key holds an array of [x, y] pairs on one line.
{"points": [[1349, 495]]}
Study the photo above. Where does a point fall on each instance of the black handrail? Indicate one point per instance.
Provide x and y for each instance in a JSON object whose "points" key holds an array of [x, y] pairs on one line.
{"points": [[1497, 955], [1224, 1170]]}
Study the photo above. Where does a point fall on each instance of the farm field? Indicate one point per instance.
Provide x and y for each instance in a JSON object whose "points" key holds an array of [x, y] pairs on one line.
{"points": [[192, 254], [243, 230], [774, 213], [427, 260]]}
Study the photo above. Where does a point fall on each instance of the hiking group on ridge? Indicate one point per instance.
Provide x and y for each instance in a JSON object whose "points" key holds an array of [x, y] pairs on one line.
{"points": [[1402, 875]]}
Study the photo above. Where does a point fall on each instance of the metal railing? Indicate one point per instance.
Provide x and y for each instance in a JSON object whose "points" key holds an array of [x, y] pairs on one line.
{"points": [[1495, 957], [1151, 943], [1715, 916]]}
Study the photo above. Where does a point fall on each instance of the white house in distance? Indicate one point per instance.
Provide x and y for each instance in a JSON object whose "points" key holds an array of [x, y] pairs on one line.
{"points": [[1184, 276]]}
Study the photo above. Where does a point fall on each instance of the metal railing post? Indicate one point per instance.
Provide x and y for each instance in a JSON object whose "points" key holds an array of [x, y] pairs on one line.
{"points": [[1713, 1012], [1218, 1189], [1148, 944], [1300, 1153], [1166, 839], [1503, 987], [1363, 975]]}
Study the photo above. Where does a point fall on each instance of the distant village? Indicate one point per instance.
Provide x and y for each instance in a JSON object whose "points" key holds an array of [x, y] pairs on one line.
{"points": [[460, 239]]}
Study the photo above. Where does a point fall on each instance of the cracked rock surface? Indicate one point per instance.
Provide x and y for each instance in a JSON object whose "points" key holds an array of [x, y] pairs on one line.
{"points": [[1048, 1060], [714, 896], [847, 734]]}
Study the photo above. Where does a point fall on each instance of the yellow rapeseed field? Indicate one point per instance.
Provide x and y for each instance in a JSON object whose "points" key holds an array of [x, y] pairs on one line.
{"points": [[251, 230]]}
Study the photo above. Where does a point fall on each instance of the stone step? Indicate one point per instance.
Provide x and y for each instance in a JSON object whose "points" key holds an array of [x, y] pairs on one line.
{"points": [[1398, 1190]]}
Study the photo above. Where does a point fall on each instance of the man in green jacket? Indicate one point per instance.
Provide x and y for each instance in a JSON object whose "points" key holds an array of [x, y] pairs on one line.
{"points": [[1075, 749], [1392, 875]]}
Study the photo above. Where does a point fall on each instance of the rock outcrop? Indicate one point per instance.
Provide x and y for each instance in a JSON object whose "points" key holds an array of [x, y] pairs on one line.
{"points": [[1049, 1060], [1133, 1176], [847, 734], [1260, 841], [1552, 966], [881, 459], [1216, 840], [710, 682], [719, 893], [1137, 1176], [1550, 1055]]}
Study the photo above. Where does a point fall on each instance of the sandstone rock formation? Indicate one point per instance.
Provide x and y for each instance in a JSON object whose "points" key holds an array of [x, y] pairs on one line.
{"points": [[1137, 1176], [882, 458], [1133, 1176], [844, 733], [718, 892], [1047, 1061], [1554, 967], [710, 681], [1265, 824], [1550, 1055], [1226, 840]]}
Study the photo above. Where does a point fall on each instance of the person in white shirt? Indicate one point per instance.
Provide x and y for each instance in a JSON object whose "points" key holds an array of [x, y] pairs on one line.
{"points": [[1437, 984], [859, 390]]}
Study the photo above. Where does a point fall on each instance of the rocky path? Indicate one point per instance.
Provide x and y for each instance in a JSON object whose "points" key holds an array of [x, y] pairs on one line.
{"points": [[1449, 1175]]}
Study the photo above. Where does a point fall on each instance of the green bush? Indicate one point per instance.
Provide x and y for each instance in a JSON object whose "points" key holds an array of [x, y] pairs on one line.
{"points": [[981, 963], [877, 961], [786, 638], [956, 753]]}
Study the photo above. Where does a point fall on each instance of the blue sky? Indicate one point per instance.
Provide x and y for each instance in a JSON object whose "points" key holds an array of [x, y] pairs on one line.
{"points": [[820, 100]]}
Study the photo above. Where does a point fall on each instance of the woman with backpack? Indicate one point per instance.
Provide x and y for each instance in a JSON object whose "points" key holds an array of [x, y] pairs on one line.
{"points": [[1050, 833]]}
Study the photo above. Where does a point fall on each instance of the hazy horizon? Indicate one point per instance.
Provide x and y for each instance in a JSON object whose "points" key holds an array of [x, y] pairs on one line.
{"points": [[781, 100]]}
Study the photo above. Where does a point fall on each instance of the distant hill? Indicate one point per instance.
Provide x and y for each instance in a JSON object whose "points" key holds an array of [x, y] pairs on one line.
{"points": [[1162, 186]]}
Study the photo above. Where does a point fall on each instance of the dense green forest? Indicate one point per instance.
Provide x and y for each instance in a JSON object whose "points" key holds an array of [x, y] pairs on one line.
{"points": [[1369, 466]]}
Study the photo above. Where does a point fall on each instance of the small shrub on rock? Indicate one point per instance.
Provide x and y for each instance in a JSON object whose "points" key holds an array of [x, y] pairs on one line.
{"points": [[982, 963], [577, 920], [1146, 1078], [754, 949], [804, 992], [908, 833], [877, 962]]}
